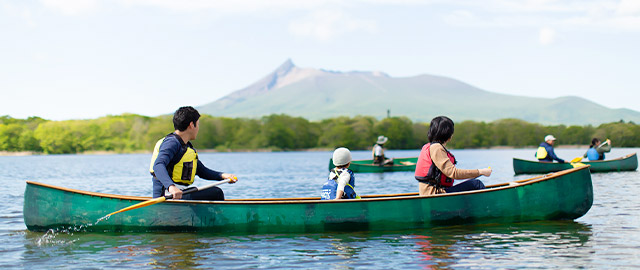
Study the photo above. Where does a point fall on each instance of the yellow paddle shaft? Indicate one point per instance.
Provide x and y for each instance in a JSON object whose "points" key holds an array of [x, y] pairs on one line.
{"points": [[164, 198], [139, 205]]}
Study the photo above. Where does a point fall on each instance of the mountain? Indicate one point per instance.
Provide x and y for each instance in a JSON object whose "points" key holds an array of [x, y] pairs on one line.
{"points": [[319, 94]]}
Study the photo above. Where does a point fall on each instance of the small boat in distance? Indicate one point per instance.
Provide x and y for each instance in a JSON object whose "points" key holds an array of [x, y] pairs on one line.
{"points": [[564, 195], [626, 163], [367, 165]]}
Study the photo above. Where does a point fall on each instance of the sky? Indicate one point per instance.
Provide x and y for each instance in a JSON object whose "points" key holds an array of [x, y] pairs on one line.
{"points": [[83, 59]]}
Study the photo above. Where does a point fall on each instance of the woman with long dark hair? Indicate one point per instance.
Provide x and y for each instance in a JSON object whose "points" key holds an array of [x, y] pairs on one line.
{"points": [[436, 169], [596, 149]]}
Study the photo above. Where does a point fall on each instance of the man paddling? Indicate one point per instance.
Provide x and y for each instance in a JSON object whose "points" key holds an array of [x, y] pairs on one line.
{"points": [[545, 151], [175, 162]]}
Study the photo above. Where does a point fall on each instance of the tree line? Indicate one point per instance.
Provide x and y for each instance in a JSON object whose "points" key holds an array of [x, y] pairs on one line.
{"points": [[128, 133]]}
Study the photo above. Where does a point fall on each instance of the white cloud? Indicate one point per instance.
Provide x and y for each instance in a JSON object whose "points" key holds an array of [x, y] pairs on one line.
{"points": [[237, 6], [21, 12], [601, 14], [546, 36], [629, 7], [460, 17], [325, 25], [630, 23], [72, 7]]}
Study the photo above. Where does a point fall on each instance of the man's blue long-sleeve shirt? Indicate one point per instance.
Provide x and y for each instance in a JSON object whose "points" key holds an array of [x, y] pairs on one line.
{"points": [[551, 155], [169, 148]]}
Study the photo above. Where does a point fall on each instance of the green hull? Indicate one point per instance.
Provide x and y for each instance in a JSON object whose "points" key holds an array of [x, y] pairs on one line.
{"points": [[367, 166], [562, 195], [626, 163]]}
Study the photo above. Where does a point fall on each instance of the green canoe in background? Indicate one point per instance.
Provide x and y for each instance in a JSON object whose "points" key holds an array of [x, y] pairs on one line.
{"points": [[626, 163], [562, 195], [367, 166]]}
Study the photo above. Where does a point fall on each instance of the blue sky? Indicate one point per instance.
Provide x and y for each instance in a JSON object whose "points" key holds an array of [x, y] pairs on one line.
{"points": [[80, 59]]}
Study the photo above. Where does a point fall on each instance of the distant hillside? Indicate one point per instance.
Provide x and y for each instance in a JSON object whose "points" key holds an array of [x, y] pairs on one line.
{"points": [[318, 94]]}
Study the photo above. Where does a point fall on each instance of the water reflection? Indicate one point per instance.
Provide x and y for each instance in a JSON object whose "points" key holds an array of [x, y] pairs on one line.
{"points": [[560, 243], [538, 244], [434, 254]]}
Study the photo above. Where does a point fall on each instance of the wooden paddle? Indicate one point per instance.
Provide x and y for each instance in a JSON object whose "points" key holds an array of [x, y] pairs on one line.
{"points": [[164, 198]]}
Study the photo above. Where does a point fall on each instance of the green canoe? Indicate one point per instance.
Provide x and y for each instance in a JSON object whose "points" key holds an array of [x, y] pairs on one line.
{"points": [[367, 166], [626, 163], [562, 195]]}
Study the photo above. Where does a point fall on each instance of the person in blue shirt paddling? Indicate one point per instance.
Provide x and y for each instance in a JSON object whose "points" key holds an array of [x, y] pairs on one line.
{"points": [[341, 182], [545, 151], [596, 150], [175, 162]]}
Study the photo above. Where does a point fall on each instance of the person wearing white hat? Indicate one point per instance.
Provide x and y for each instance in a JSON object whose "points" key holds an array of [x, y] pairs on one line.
{"points": [[545, 151], [342, 181], [378, 152]]}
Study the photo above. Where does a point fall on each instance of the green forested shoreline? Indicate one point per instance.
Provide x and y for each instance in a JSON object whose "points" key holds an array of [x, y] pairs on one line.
{"points": [[131, 133]]}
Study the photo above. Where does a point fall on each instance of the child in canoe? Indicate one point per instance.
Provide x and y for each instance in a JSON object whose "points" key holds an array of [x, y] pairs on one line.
{"points": [[341, 180]]}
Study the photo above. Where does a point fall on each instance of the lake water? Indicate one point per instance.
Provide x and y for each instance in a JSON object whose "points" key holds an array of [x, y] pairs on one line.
{"points": [[607, 237]]}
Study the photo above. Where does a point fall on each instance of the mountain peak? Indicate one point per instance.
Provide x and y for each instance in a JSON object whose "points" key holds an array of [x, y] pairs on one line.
{"points": [[260, 87], [319, 94], [285, 67]]}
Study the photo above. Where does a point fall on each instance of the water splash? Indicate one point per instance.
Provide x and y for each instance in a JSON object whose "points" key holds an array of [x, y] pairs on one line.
{"points": [[103, 218], [52, 236], [47, 238]]}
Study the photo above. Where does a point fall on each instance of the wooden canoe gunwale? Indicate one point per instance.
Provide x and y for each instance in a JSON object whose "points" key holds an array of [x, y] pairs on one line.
{"points": [[385, 166], [382, 197]]}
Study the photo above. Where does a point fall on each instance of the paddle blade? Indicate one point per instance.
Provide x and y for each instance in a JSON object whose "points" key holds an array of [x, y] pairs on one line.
{"points": [[140, 205], [578, 159], [578, 164]]}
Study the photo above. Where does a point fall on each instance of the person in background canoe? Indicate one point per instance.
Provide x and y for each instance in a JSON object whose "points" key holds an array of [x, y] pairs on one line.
{"points": [[175, 163], [596, 150], [341, 179], [545, 151], [378, 152], [436, 168]]}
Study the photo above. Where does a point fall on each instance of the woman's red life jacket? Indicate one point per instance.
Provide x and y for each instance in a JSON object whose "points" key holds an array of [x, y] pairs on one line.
{"points": [[428, 173]]}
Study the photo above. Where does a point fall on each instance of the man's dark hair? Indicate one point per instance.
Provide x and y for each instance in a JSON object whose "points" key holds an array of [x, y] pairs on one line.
{"points": [[184, 116], [441, 129]]}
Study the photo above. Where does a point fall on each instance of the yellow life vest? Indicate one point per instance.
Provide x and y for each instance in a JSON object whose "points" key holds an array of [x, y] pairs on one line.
{"points": [[542, 153], [184, 171]]}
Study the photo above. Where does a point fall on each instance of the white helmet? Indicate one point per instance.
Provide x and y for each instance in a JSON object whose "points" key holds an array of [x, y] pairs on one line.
{"points": [[341, 156]]}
